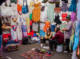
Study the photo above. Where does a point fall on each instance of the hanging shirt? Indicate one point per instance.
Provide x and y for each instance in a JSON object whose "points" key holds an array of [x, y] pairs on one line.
{"points": [[50, 12], [36, 12], [43, 16]]}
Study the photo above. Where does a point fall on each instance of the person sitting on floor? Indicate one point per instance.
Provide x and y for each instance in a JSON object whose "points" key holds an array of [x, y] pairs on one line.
{"points": [[48, 35], [57, 39]]}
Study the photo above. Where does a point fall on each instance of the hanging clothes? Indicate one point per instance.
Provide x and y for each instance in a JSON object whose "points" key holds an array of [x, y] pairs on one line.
{"points": [[76, 38], [57, 19], [19, 6], [30, 16], [25, 7], [64, 6], [50, 12], [43, 16], [72, 36], [73, 6], [19, 30], [36, 12], [53, 26], [44, 1], [14, 31], [24, 28], [13, 1], [28, 24], [66, 1], [73, 16], [78, 10], [64, 15], [42, 26]]}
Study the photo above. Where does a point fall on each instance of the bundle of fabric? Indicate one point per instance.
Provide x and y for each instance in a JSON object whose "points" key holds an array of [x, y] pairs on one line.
{"points": [[73, 6]]}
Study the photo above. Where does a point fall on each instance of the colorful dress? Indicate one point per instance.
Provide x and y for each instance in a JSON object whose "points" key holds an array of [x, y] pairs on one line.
{"points": [[14, 31], [36, 12]]}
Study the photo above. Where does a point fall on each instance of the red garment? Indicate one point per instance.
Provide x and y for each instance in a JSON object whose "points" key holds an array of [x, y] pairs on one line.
{"points": [[31, 33], [6, 36], [64, 15], [59, 36]]}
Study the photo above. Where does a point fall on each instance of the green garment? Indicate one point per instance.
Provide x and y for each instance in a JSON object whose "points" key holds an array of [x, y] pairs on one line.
{"points": [[30, 16], [50, 12], [13, 1]]}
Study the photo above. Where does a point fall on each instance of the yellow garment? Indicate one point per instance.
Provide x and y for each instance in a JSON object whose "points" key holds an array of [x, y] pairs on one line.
{"points": [[36, 12], [47, 25], [28, 24]]}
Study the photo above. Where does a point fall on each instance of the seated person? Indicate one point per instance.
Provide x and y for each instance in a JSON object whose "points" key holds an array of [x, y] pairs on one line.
{"points": [[57, 39], [48, 35]]}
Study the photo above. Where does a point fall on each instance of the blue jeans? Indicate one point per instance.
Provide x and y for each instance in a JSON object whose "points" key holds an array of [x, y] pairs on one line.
{"points": [[76, 37], [0, 40]]}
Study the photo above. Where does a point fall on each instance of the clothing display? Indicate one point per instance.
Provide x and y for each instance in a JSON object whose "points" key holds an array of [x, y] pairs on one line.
{"points": [[52, 23]]}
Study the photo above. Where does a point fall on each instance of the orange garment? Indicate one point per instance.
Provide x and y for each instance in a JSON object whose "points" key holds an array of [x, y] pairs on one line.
{"points": [[36, 12], [47, 25], [19, 7]]}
